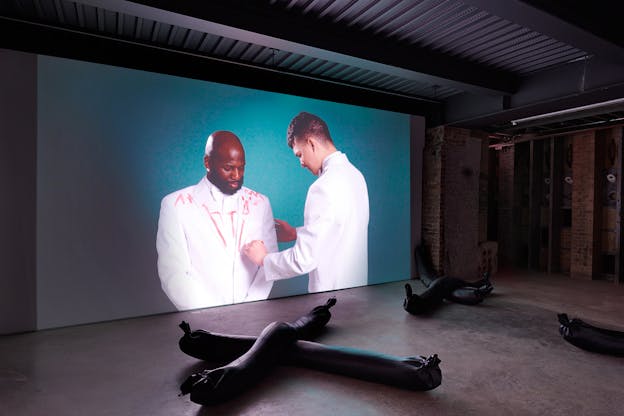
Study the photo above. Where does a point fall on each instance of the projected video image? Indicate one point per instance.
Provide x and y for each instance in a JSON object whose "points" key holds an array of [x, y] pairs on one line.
{"points": [[159, 193], [217, 240]]}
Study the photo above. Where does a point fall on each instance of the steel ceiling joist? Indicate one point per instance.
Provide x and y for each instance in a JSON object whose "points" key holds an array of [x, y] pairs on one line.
{"points": [[295, 33]]}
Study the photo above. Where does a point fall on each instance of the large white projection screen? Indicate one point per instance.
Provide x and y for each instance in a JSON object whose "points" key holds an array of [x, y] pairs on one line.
{"points": [[112, 142]]}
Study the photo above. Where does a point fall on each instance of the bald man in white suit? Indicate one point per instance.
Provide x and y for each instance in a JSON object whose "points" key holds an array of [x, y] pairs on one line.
{"points": [[202, 229]]}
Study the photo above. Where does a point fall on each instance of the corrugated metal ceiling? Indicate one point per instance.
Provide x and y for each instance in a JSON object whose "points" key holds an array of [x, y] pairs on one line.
{"points": [[451, 27], [446, 26], [420, 49]]}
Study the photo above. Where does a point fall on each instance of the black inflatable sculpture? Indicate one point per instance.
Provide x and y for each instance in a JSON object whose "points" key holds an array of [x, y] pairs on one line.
{"points": [[444, 287], [590, 337], [462, 287], [285, 343], [219, 384]]}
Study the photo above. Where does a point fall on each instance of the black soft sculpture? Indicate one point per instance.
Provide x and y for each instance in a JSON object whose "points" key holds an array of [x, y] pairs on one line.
{"points": [[444, 287], [284, 343], [590, 337], [221, 383]]}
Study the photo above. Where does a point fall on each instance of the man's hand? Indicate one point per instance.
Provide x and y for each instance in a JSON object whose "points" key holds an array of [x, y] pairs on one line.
{"points": [[256, 251], [285, 232]]}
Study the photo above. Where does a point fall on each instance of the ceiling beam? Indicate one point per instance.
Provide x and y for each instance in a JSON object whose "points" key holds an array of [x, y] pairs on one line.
{"points": [[579, 83], [269, 26], [525, 13], [62, 42]]}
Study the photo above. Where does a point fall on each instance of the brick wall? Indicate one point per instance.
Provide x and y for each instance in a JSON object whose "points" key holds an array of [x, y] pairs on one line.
{"points": [[483, 186], [583, 236], [432, 208], [461, 203], [505, 205], [588, 212], [450, 217]]}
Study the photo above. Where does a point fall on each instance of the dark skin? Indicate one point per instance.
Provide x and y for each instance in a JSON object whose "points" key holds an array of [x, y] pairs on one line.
{"points": [[226, 163]]}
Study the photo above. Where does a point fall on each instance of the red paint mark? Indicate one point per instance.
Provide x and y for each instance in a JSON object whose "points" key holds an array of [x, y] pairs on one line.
{"points": [[215, 224], [240, 236], [180, 198]]}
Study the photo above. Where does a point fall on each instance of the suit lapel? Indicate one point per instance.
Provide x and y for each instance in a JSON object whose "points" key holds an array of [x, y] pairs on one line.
{"points": [[228, 229]]}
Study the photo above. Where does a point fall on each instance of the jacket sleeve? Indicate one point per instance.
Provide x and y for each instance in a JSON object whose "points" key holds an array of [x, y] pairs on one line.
{"points": [[303, 257], [261, 287], [179, 280]]}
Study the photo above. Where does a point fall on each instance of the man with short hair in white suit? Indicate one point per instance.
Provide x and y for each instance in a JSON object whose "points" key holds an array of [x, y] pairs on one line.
{"points": [[332, 244], [202, 229]]}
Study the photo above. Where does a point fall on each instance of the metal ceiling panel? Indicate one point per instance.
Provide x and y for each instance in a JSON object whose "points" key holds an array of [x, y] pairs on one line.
{"points": [[94, 19], [420, 49], [453, 28]]}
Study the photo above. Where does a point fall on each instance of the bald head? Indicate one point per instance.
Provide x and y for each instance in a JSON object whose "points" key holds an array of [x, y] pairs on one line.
{"points": [[220, 138], [225, 161]]}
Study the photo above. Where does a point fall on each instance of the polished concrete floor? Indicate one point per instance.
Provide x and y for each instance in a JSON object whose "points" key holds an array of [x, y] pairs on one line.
{"points": [[503, 357]]}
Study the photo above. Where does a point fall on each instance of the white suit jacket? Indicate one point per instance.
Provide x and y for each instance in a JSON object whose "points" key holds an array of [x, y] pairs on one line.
{"points": [[199, 243], [332, 244]]}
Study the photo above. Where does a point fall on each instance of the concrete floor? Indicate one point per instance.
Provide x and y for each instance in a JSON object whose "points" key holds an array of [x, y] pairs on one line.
{"points": [[503, 357]]}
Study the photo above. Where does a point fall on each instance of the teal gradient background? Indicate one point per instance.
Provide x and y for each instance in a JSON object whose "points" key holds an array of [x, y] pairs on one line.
{"points": [[113, 141]]}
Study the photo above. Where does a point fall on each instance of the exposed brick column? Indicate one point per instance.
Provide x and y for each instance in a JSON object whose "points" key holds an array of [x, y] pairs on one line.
{"points": [[451, 168], [483, 186], [462, 166], [432, 202], [584, 234], [505, 205]]}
